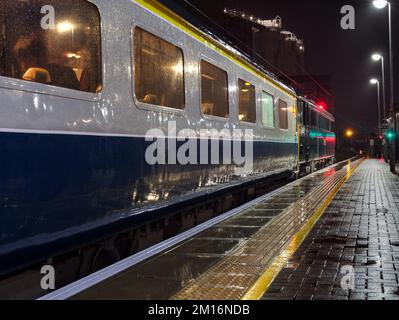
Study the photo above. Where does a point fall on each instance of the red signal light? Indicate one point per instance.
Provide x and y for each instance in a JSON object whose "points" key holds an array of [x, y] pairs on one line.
{"points": [[322, 105]]}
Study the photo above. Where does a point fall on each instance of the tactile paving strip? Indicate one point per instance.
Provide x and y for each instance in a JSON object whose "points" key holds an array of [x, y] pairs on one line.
{"points": [[233, 276]]}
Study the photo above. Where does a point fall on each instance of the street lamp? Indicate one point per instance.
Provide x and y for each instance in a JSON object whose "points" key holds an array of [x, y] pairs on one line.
{"points": [[377, 82], [349, 133], [381, 4], [377, 57]]}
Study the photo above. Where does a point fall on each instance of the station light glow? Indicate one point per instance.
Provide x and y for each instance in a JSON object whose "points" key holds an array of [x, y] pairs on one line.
{"points": [[380, 4], [349, 133], [390, 135], [376, 57]]}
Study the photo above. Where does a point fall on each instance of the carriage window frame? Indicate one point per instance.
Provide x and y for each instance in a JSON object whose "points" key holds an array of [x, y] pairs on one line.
{"points": [[325, 124], [167, 38], [306, 114], [300, 111], [273, 109], [312, 118], [7, 82], [286, 113], [255, 105], [211, 116]]}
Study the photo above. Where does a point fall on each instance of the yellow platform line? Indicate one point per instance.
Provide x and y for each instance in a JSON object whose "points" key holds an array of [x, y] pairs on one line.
{"points": [[263, 283]]}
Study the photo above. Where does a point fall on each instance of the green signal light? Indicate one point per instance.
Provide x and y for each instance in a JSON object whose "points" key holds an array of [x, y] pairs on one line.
{"points": [[390, 135]]}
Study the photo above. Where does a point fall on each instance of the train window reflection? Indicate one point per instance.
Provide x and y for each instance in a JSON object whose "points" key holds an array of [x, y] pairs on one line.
{"points": [[247, 103], [267, 110], [159, 71], [52, 42], [283, 114], [214, 91]]}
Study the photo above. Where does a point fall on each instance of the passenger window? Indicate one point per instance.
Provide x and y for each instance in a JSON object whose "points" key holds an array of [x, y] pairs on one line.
{"points": [[267, 110], [247, 103], [214, 91], [305, 114], [300, 111], [313, 118], [159, 71], [283, 114], [52, 42]]}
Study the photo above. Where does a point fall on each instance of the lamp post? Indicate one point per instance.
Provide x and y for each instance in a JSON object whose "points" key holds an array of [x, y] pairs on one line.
{"points": [[381, 4], [377, 82], [378, 57]]}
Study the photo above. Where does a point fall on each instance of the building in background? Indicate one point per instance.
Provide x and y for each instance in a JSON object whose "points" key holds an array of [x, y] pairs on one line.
{"points": [[267, 40]]}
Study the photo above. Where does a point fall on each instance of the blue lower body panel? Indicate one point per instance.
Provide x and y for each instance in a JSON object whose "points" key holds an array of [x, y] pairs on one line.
{"points": [[57, 191]]}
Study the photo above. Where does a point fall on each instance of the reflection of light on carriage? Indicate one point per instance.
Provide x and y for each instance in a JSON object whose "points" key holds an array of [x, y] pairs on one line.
{"points": [[77, 102]]}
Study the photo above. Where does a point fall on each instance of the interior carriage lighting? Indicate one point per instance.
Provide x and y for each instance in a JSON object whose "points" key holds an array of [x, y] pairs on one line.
{"points": [[177, 68], [73, 55], [373, 81], [65, 26], [380, 4]]}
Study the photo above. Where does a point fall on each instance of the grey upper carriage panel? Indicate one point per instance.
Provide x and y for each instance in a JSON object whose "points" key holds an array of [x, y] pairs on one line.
{"points": [[115, 110]]}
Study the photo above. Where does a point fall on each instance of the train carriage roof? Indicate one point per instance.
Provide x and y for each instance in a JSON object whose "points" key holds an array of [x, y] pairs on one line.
{"points": [[223, 46]]}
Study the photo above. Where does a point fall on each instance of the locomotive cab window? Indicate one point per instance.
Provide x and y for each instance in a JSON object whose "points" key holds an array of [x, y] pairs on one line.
{"points": [[247, 101], [267, 110], [283, 114], [159, 71], [51, 42], [214, 91]]}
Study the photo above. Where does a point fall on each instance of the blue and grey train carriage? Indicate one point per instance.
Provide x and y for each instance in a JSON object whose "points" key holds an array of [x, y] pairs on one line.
{"points": [[81, 83]]}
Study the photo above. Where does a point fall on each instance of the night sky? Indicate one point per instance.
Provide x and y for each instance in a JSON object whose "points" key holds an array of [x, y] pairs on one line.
{"points": [[344, 55]]}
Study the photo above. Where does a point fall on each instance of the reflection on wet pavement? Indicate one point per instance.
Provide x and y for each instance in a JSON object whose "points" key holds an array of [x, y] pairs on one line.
{"points": [[166, 274]]}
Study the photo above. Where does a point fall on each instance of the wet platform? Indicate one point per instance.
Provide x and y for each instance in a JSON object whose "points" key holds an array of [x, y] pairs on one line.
{"points": [[240, 256], [352, 253]]}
